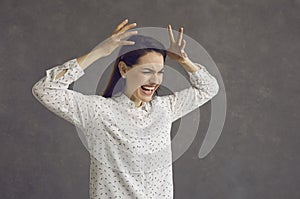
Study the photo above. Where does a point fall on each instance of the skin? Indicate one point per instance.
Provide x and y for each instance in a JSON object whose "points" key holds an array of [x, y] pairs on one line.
{"points": [[136, 78], [148, 71]]}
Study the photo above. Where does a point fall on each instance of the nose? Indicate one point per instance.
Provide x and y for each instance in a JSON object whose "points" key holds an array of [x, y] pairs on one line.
{"points": [[155, 79]]}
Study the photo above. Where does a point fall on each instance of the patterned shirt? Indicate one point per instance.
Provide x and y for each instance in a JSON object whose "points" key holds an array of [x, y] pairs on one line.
{"points": [[129, 146]]}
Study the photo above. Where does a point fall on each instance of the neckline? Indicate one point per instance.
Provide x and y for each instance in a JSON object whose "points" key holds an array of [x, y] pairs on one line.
{"points": [[127, 102]]}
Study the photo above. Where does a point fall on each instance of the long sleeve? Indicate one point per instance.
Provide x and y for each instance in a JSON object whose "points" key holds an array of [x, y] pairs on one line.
{"points": [[54, 94], [203, 88]]}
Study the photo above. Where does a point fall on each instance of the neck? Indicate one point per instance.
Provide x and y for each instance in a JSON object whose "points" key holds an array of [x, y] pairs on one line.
{"points": [[136, 101]]}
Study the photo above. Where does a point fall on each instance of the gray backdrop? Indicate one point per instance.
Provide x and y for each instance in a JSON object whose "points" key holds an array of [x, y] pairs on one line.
{"points": [[255, 45]]}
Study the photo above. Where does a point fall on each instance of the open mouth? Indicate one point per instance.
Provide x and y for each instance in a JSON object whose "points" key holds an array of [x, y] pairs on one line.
{"points": [[148, 90]]}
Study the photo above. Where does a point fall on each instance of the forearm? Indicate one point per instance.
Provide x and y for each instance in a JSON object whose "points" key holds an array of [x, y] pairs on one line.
{"points": [[85, 61], [55, 95], [73, 72], [190, 66], [203, 87], [202, 80]]}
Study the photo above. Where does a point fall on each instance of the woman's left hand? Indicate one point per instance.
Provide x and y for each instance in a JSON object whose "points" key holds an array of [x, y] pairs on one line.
{"points": [[176, 49]]}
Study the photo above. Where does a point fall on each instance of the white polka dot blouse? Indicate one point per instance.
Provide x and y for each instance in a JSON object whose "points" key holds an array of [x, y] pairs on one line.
{"points": [[129, 146]]}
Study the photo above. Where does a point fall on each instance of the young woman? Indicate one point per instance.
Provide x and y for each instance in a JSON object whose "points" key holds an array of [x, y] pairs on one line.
{"points": [[128, 133]]}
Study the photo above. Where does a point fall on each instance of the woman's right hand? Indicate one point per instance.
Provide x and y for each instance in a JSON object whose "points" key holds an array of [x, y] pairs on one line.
{"points": [[109, 45], [116, 39]]}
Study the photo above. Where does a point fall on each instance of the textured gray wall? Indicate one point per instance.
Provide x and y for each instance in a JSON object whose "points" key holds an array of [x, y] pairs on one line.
{"points": [[255, 45]]}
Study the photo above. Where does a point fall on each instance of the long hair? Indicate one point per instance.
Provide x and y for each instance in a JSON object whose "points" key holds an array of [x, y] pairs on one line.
{"points": [[130, 54]]}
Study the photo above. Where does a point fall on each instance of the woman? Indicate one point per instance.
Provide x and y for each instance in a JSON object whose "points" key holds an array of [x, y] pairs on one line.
{"points": [[128, 134]]}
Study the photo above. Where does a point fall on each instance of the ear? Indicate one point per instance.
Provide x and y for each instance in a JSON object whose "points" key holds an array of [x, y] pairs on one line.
{"points": [[123, 68]]}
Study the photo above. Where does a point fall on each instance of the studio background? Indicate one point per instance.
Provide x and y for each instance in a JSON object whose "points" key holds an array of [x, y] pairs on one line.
{"points": [[255, 45]]}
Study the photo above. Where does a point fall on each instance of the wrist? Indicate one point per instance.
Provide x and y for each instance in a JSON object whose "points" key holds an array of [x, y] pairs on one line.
{"points": [[189, 66]]}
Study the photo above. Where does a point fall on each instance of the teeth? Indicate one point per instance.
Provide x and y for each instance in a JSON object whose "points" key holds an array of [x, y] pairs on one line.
{"points": [[149, 88]]}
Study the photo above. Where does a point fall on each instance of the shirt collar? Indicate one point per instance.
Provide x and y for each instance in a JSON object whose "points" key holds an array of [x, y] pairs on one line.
{"points": [[125, 101]]}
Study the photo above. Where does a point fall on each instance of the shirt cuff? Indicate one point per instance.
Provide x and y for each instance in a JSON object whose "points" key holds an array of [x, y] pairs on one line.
{"points": [[199, 76], [74, 72]]}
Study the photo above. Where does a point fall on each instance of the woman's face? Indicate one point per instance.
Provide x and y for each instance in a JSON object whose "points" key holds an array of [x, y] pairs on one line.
{"points": [[143, 79]]}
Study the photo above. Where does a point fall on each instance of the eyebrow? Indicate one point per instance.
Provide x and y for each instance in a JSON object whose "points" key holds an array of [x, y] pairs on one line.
{"points": [[152, 69]]}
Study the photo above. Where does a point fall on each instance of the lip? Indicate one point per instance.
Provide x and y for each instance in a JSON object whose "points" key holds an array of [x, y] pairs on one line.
{"points": [[155, 88]]}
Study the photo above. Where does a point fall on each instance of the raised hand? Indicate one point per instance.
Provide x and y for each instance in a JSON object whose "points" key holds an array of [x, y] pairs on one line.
{"points": [[176, 49], [115, 40], [106, 47]]}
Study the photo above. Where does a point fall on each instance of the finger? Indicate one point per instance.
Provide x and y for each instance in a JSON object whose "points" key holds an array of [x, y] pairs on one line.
{"points": [[126, 42], [119, 27], [180, 36], [183, 44], [127, 27], [127, 34], [171, 34]]}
